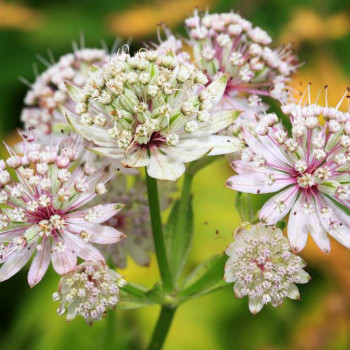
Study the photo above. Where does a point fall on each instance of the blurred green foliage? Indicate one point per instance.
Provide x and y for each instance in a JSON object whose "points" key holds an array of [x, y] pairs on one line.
{"points": [[219, 321]]}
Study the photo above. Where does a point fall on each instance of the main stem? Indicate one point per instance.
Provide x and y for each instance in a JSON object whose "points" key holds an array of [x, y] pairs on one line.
{"points": [[157, 232], [163, 324]]}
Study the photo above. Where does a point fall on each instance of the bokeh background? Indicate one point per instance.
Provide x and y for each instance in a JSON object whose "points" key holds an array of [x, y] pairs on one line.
{"points": [[320, 30]]}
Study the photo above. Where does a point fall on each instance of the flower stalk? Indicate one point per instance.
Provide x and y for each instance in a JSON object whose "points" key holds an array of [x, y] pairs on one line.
{"points": [[162, 328], [157, 231]]}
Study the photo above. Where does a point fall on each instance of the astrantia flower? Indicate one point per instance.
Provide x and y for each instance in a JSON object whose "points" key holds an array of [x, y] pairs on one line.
{"points": [[49, 90], [133, 220], [228, 43], [311, 167], [88, 291], [152, 110], [263, 267], [40, 211]]}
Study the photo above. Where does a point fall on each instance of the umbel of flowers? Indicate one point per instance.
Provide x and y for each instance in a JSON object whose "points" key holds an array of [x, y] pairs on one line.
{"points": [[152, 110], [89, 291], [228, 43], [45, 209], [263, 267], [160, 109], [308, 169]]}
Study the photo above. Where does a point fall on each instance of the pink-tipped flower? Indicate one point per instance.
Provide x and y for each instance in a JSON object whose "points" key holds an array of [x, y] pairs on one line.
{"points": [[88, 291], [263, 267], [228, 43], [41, 211], [49, 90], [309, 166]]}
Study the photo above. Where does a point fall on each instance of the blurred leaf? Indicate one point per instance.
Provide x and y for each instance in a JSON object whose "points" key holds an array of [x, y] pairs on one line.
{"points": [[134, 296], [179, 229], [206, 278]]}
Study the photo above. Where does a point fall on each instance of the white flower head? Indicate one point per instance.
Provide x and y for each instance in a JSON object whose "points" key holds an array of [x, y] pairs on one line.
{"points": [[161, 122], [263, 267]]}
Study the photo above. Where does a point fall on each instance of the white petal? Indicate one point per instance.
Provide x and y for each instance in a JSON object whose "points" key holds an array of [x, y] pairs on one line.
{"points": [[270, 213], [187, 150], [297, 226], [40, 263], [98, 135], [163, 167], [217, 122], [137, 157], [109, 152], [255, 304], [293, 292]]}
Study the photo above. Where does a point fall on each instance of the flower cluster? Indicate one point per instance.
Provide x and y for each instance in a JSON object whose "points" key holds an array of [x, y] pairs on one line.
{"points": [[311, 167], [263, 267], [89, 291], [152, 110], [49, 90], [41, 210], [228, 43]]}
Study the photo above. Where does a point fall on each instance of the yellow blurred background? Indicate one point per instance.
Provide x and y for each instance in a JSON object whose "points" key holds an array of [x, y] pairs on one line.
{"points": [[321, 320]]}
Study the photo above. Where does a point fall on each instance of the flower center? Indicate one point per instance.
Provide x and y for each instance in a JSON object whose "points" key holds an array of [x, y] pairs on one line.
{"points": [[306, 180]]}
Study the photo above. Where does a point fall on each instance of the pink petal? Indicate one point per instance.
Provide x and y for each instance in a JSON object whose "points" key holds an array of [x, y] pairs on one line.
{"points": [[342, 231], [267, 149], [15, 262], [99, 233], [297, 225], [317, 231], [63, 262], [82, 249], [109, 210], [256, 183], [270, 213], [39, 264]]}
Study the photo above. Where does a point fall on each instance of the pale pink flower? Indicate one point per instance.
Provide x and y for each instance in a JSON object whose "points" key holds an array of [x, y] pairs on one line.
{"points": [[49, 90], [41, 211], [228, 43], [308, 167], [263, 267], [88, 291]]}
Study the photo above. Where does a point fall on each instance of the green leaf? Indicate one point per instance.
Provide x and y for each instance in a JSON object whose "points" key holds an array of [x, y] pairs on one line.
{"points": [[179, 229], [133, 296], [206, 278]]}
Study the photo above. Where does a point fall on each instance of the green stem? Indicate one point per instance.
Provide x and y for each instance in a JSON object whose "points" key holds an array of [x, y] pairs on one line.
{"points": [[180, 232], [162, 328], [110, 330], [157, 232]]}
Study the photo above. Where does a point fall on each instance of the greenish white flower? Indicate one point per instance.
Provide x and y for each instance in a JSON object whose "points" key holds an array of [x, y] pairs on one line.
{"points": [[157, 113]]}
